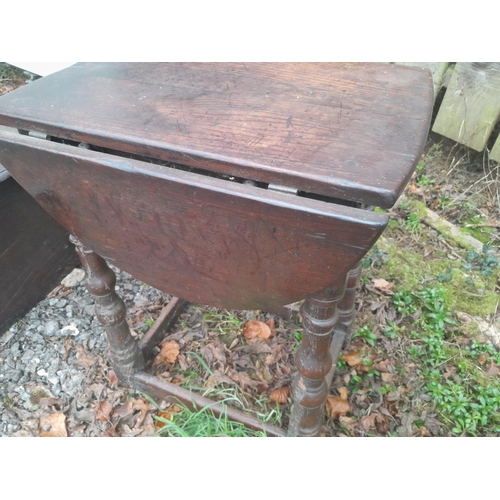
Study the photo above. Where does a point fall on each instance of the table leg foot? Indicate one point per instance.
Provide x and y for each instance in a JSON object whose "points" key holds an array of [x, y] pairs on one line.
{"points": [[314, 361], [100, 280]]}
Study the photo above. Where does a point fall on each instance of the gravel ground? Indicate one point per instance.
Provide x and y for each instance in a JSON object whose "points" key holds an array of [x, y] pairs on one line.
{"points": [[54, 359]]}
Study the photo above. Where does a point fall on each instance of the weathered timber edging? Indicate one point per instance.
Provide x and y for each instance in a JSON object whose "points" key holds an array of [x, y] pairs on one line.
{"points": [[445, 227], [471, 105]]}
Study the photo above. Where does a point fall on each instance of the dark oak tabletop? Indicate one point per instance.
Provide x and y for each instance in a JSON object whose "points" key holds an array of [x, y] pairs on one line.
{"points": [[350, 131]]}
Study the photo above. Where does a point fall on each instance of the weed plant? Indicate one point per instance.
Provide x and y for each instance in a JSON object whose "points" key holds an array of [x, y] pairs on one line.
{"points": [[468, 402]]}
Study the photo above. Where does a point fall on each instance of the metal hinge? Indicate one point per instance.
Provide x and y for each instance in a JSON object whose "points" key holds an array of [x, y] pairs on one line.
{"points": [[282, 189]]}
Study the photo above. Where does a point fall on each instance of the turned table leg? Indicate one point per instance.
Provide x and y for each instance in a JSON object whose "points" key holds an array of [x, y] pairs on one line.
{"points": [[314, 361], [346, 306], [100, 280]]}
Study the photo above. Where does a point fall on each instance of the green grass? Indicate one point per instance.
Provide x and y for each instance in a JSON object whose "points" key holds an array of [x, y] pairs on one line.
{"points": [[413, 224], [224, 322], [203, 423]]}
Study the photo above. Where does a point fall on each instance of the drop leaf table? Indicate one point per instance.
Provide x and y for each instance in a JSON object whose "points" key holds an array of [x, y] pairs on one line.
{"points": [[242, 186]]}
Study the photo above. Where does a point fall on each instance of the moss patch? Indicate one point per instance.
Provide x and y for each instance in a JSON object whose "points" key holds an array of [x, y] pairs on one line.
{"points": [[464, 291], [482, 233]]}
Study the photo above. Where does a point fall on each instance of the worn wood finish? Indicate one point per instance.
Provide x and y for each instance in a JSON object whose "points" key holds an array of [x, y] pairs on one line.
{"points": [[346, 306], [314, 360], [351, 131], [437, 69], [471, 105], [100, 280], [336, 346], [203, 239], [35, 253]]}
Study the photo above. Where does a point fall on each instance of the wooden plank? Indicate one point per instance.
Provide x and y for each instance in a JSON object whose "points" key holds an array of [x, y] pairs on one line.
{"points": [[438, 70], [495, 152], [471, 105], [35, 253]]}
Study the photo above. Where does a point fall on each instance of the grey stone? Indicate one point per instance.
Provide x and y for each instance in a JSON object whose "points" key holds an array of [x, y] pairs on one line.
{"points": [[15, 375], [28, 354], [70, 329], [89, 310], [14, 349], [73, 278], [51, 327]]}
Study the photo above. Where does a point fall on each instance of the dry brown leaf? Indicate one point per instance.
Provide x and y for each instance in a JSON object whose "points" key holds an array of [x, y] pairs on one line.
{"points": [[386, 377], [383, 366], [423, 432], [382, 284], [353, 358], [256, 329], [275, 355], [368, 422], [243, 380], [143, 408], [182, 362], [53, 426], [126, 431], [336, 406], [148, 426], [123, 410], [111, 431], [382, 423], [413, 188], [482, 359], [113, 379], [214, 353], [83, 357], [280, 395], [166, 415], [271, 324], [168, 353], [347, 422], [492, 369], [343, 392], [103, 411]]}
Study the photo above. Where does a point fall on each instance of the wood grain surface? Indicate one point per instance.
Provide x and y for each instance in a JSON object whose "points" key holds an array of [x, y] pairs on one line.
{"points": [[203, 239], [351, 131]]}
